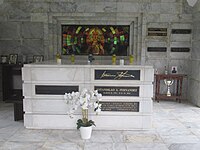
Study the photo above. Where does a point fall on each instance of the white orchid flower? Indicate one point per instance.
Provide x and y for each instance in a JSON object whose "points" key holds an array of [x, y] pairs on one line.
{"points": [[95, 92], [87, 97], [84, 99], [98, 110], [95, 104], [99, 96], [85, 106], [65, 96]]}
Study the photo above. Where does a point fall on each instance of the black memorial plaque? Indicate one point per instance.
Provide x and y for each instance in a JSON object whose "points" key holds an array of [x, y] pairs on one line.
{"points": [[157, 31], [120, 106], [55, 89], [181, 31], [118, 91], [117, 75], [180, 49], [156, 49]]}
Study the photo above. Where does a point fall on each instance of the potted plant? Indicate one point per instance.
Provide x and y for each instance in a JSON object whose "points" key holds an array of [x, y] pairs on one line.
{"points": [[85, 99]]}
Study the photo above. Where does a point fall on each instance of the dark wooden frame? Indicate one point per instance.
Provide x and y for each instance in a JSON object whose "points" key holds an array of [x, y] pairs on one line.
{"points": [[178, 81], [11, 60], [4, 57], [10, 94], [38, 58]]}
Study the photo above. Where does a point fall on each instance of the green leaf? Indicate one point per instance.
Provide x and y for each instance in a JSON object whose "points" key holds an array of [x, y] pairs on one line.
{"points": [[80, 123]]}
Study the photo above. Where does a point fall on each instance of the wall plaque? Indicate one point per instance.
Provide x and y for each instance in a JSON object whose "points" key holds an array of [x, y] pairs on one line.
{"points": [[120, 106], [157, 49], [117, 75], [180, 49], [157, 31], [181, 31], [55, 89], [118, 91]]}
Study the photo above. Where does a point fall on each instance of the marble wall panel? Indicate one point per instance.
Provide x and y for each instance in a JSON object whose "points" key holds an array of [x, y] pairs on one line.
{"points": [[128, 7], [146, 7], [195, 50], [197, 7], [181, 37], [180, 55], [3, 18], [181, 44], [195, 32], [32, 47], [104, 6], [169, 17], [151, 55], [156, 44], [18, 11], [9, 30], [39, 7], [185, 18], [151, 18], [181, 25], [182, 65], [195, 73], [63, 7], [9, 46], [186, 8], [168, 1], [32, 30], [193, 92], [39, 17], [170, 8], [157, 64]]}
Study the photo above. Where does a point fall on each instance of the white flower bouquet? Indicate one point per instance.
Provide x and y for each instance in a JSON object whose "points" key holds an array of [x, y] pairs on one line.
{"points": [[85, 99]]}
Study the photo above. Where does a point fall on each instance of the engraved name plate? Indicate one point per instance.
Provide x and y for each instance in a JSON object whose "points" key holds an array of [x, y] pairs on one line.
{"points": [[120, 106], [181, 31], [180, 49], [118, 91], [157, 49], [117, 74], [157, 31], [55, 89]]}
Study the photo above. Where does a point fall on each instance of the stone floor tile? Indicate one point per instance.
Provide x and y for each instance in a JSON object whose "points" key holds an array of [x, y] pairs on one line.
{"points": [[72, 136], [98, 146], [195, 131], [168, 123], [180, 139], [142, 138], [106, 136], [58, 145], [21, 145], [185, 146], [30, 135], [146, 146], [119, 146], [175, 126], [174, 131]]}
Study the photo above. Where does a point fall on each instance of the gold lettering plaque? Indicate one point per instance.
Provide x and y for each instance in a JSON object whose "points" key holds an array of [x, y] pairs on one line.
{"points": [[118, 90], [117, 74], [120, 106]]}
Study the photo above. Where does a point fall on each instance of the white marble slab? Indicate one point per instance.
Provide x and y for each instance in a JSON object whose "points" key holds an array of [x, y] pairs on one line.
{"points": [[49, 111]]}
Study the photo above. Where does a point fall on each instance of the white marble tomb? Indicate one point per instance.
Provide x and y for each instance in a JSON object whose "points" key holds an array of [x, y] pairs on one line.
{"points": [[48, 111]]}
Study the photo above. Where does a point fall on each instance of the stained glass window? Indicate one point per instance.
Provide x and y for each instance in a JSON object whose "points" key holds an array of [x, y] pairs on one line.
{"points": [[95, 39]]}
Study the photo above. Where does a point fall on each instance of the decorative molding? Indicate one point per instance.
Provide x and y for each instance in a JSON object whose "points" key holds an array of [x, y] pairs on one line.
{"points": [[191, 2]]}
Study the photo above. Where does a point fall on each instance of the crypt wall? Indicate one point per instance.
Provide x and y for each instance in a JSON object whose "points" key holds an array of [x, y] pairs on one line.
{"points": [[194, 80], [32, 27]]}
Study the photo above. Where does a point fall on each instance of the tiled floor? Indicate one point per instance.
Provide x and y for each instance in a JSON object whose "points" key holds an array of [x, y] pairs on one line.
{"points": [[175, 127]]}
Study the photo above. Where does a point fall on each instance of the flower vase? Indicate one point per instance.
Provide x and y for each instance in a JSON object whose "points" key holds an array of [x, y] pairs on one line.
{"points": [[86, 132]]}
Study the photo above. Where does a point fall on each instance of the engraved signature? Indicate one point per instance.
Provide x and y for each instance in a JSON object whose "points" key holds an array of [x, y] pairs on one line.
{"points": [[117, 76]]}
